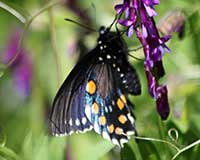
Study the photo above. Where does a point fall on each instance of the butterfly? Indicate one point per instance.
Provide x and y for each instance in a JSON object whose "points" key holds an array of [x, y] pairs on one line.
{"points": [[95, 93]]}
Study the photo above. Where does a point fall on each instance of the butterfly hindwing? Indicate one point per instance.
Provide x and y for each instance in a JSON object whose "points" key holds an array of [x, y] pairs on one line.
{"points": [[107, 107]]}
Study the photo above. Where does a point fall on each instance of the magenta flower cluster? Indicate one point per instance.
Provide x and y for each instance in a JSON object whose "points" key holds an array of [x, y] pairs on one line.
{"points": [[138, 17], [21, 68]]}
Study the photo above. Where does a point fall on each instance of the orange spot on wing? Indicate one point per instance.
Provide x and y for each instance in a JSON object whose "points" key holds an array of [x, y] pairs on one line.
{"points": [[120, 104], [91, 87], [111, 128], [118, 130], [123, 98], [102, 120], [122, 119], [95, 108]]}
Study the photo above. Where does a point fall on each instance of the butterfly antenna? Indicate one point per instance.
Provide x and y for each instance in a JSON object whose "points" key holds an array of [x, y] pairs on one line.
{"points": [[116, 17], [136, 49], [82, 25], [117, 23], [135, 57]]}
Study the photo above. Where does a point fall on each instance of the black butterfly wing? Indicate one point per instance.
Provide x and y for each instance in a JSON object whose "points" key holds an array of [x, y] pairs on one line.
{"points": [[130, 81], [67, 114]]}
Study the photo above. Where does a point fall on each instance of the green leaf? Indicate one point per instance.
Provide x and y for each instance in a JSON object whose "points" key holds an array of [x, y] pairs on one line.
{"points": [[194, 24], [182, 123], [147, 149], [2, 137], [2, 69], [94, 146], [8, 154], [127, 153], [195, 153]]}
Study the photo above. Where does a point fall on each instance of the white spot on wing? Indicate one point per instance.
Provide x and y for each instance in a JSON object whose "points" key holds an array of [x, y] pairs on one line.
{"points": [[70, 133], [96, 127], [115, 141], [124, 81], [86, 129], [105, 135], [122, 141], [84, 120], [100, 58], [77, 122], [70, 122], [129, 133], [60, 134], [130, 118], [108, 56], [88, 112], [110, 108], [113, 102], [106, 109]]}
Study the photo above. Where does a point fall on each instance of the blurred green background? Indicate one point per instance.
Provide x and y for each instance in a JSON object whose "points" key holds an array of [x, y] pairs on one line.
{"points": [[53, 46]]}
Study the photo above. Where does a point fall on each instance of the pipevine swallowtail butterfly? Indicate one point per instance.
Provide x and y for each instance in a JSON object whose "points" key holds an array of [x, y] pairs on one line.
{"points": [[95, 94]]}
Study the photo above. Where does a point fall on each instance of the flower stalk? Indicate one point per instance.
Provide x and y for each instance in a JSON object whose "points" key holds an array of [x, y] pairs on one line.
{"points": [[138, 17]]}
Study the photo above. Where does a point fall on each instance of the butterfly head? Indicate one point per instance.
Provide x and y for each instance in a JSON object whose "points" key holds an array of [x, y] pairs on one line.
{"points": [[111, 39]]}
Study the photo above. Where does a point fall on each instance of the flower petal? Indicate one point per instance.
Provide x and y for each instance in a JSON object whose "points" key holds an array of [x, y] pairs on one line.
{"points": [[162, 102]]}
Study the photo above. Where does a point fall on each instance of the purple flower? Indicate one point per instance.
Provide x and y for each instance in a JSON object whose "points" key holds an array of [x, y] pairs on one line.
{"points": [[154, 70], [151, 80], [148, 4], [131, 10], [21, 68], [162, 102], [141, 12], [131, 15]]}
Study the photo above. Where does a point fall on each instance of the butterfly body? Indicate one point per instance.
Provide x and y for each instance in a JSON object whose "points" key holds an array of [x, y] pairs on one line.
{"points": [[95, 94]]}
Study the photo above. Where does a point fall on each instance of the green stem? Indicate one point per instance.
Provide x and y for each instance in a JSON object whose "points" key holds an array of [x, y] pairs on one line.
{"points": [[53, 42], [47, 6], [158, 140], [27, 24], [13, 12], [186, 148]]}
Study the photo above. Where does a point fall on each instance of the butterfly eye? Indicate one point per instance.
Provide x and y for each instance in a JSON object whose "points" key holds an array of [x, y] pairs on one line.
{"points": [[102, 30]]}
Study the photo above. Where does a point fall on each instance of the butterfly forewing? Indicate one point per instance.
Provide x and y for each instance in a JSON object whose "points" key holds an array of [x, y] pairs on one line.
{"points": [[95, 94], [67, 115]]}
